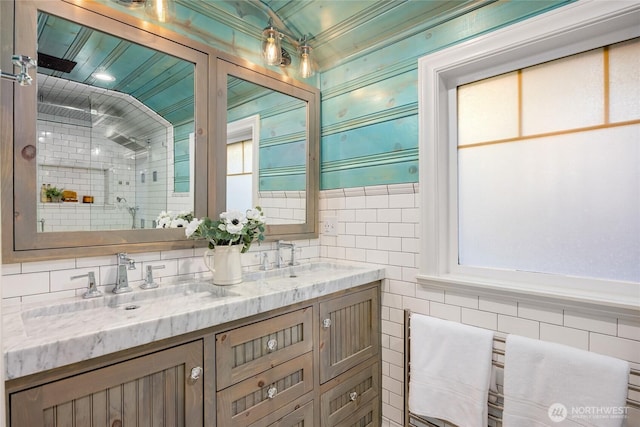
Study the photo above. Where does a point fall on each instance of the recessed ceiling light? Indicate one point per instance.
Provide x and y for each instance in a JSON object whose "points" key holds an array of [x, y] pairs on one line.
{"points": [[104, 77]]}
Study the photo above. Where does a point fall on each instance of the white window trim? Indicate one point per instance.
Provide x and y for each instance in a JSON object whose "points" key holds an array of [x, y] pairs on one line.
{"points": [[565, 31]]}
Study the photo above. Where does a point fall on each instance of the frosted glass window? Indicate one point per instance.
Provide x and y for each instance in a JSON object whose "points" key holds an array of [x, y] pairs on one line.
{"points": [[624, 72], [239, 176], [235, 161], [248, 156], [563, 203], [479, 120], [563, 94], [239, 192], [567, 204]]}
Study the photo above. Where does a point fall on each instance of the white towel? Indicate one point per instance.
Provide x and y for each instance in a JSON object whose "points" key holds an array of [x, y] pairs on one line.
{"points": [[548, 384], [450, 371]]}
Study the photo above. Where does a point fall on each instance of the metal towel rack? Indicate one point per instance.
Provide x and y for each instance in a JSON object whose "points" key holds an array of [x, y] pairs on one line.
{"points": [[496, 399]]}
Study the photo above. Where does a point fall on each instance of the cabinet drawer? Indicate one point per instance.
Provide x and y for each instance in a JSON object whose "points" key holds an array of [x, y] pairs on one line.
{"points": [[242, 352], [299, 415], [349, 332], [368, 415], [258, 396], [354, 391]]}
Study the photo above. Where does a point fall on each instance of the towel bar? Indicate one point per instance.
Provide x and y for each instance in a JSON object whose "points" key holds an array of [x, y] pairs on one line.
{"points": [[495, 402]]}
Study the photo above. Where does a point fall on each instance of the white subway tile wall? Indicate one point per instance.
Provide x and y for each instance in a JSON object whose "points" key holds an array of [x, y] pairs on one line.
{"points": [[283, 207], [77, 156], [368, 230]]}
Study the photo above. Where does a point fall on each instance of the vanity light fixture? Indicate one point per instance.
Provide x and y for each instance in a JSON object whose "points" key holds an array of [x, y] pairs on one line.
{"points": [[274, 54], [160, 10], [271, 50], [307, 66]]}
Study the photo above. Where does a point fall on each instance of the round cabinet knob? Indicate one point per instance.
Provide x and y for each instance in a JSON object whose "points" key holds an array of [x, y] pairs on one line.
{"points": [[271, 393], [196, 373], [272, 344], [326, 323], [353, 396]]}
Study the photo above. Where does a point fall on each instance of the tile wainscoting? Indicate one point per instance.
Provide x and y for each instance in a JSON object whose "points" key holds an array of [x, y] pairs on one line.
{"points": [[381, 225]]}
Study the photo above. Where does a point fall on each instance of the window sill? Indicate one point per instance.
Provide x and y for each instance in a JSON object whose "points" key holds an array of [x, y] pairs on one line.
{"points": [[624, 304]]}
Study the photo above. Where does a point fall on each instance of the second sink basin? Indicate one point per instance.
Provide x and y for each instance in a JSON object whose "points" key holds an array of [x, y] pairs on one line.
{"points": [[111, 307]]}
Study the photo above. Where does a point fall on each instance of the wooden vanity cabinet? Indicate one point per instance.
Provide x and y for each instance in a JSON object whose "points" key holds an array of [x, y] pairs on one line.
{"points": [[349, 332], [152, 390], [263, 366], [277, 354], [349, 348], [314, 364]]}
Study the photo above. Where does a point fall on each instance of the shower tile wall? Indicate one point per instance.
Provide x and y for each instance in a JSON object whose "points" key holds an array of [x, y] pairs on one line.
{"points": [[75, 159]]}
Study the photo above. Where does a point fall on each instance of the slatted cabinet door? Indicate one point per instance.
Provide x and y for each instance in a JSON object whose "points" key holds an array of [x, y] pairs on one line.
{"points": [[349, 332], [156, 390]]}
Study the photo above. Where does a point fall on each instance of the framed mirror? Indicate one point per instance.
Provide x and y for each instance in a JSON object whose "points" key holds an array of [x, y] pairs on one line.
{"points": [[272, 148], [115, 130], [108, 136], [153, 139]]}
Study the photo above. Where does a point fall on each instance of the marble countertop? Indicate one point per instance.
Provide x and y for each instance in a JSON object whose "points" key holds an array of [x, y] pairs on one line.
{"points": [[42, 336]]}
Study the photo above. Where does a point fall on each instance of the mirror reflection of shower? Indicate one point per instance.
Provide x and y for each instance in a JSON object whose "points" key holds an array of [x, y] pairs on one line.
{"points": [[133, 210]]}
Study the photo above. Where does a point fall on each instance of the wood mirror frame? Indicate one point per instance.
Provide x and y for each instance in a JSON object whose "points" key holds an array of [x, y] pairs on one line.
{"points": [[246, 71], [20, 240]]}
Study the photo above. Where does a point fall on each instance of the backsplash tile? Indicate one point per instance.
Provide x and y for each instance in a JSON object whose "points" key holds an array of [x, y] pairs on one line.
{"points": [[24, 284]]}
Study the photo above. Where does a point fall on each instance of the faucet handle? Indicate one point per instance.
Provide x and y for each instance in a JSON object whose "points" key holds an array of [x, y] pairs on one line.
{"points": [[266, 265], [149, 283], [92, 290]]}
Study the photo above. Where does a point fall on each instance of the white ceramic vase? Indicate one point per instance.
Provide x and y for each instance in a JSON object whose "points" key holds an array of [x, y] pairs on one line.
{"points": [[224, 263]]}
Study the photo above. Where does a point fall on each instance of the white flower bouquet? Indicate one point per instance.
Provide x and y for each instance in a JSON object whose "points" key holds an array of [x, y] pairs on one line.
{"points": [[233, 228], [169, 219]]}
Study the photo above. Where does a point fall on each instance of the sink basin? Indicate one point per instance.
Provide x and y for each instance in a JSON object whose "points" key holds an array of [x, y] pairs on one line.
{"points": [[111, 311], [302, 270], [112, 308]]}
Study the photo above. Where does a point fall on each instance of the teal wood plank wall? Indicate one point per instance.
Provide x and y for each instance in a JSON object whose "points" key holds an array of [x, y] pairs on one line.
{"points": [[369, 110], [282, 144], [370, 104]]}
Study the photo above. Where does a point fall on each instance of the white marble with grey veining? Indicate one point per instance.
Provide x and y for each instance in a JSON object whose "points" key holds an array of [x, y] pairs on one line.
{"points": [[38, 337]]}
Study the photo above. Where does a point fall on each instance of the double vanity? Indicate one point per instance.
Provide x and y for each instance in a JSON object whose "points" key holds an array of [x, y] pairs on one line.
{"points": [[287, 346]]}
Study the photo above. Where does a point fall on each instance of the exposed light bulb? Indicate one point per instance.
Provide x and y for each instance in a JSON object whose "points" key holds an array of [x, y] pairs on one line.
{"points": [[307, 66], [160, 10], [271, 52]]}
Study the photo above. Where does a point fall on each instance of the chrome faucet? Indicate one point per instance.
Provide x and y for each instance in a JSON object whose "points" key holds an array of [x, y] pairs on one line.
{"points": [[149, 282], [279, 245], [92, 290], [122, 281]]}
